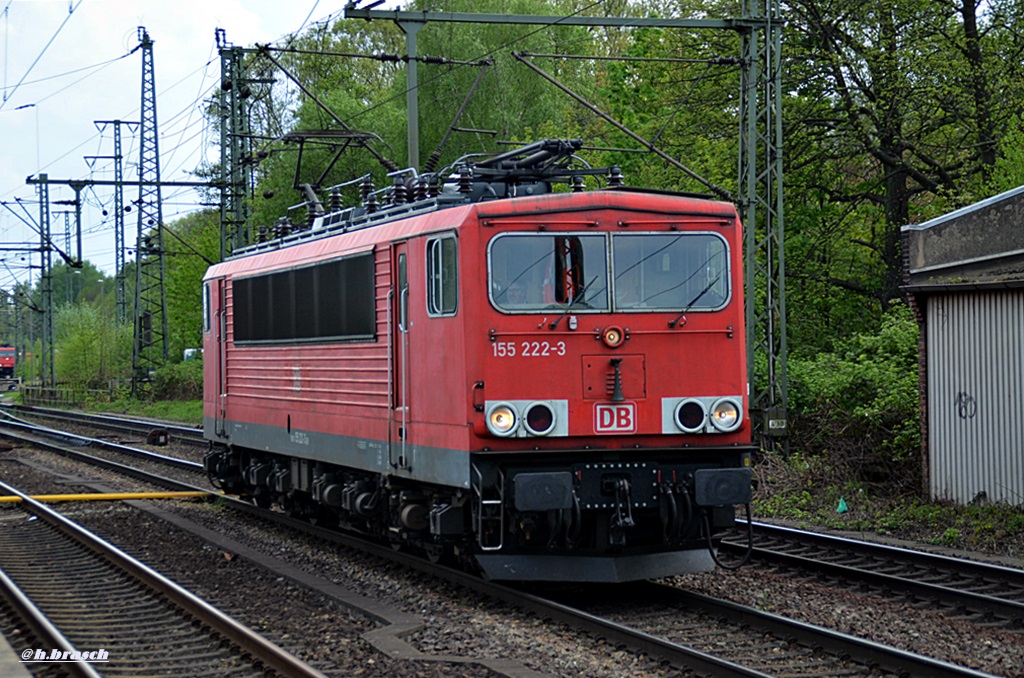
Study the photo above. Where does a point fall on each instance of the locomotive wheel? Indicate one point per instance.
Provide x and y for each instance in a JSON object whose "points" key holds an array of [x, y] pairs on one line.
{"points": [[322, 517], [291, 508], [437, 553]]}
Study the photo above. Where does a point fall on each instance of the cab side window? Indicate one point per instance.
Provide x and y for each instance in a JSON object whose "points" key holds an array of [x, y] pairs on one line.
{"points": [[207, 321], [442, 276]]}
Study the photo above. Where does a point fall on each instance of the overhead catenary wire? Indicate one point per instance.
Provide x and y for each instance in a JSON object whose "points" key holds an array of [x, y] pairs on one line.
{"points": [[188, 109], [71, 11], [479, 58], [478, 61], [97, 66], [187, 133]]}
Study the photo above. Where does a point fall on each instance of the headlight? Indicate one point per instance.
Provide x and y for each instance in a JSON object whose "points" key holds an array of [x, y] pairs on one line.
{"points": [[725, 415], [502, 420], [690, 416], [613, 336], [539, 419]]}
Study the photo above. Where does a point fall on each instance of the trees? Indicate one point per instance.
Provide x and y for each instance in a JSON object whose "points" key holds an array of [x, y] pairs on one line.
{"points": [[894, 112], [858, 405], [891, 121], [89, 349], [191, 245]]}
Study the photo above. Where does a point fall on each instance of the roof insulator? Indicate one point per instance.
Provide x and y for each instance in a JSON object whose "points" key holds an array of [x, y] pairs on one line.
{"points": [[399, 194], [366, 189], [465, 179], [422, 188], [615, 178]]}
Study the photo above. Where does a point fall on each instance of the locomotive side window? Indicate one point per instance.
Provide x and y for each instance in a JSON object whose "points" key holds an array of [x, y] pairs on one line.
{"points": [[542, 272], [670, 271], [442, 276], [206, 308], [332, 300], [403, 293]]}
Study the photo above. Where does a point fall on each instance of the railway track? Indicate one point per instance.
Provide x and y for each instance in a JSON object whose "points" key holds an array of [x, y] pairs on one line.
{"points": [[134, 428], [736, 640], [93, 598], [684, 629], [146, 465], [982, 593]]}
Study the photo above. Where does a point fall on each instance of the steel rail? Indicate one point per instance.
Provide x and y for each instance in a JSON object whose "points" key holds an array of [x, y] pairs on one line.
{"points": [[266, 652], [1007, 608], [923, 558], [7, 429], [862, 651], [44, 629], [899, 661], [177, 431]]}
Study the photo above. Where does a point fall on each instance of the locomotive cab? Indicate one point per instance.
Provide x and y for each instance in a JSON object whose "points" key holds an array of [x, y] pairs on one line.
{"points": [[612, 439]]}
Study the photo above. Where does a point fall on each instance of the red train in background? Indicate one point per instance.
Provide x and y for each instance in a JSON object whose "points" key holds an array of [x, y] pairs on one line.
{"points": [[8, 355], [544, 385]]}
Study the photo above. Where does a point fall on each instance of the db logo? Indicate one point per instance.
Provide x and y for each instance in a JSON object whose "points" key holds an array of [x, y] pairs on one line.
{"points": [[617, 418]]}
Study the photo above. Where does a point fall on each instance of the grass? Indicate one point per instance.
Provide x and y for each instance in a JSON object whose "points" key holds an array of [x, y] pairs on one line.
{"points": [[812, 492], [188, 412]]}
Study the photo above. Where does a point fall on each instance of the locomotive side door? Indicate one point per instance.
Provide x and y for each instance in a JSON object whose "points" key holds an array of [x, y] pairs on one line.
{"points": [[215, 360], [399, 339]]}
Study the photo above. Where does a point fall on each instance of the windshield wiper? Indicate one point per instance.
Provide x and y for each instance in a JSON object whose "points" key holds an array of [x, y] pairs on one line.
{"points": [[572, 303], [504, 290], [682, 314]]}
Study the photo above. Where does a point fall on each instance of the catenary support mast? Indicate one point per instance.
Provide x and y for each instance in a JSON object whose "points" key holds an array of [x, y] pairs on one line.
{"points": [[760, 174], [150, 346], [119, 244]]}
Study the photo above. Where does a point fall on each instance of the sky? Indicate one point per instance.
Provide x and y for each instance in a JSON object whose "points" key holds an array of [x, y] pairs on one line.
{"points": [[64, 66]]}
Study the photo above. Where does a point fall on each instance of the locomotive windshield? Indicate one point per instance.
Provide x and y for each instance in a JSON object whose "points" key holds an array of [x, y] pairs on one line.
{"points": [[670, 271], [649, 272], [535, 272]]}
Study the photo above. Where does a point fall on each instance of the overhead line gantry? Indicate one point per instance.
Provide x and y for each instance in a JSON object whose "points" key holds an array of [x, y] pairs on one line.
{"points": [[759, 180]]}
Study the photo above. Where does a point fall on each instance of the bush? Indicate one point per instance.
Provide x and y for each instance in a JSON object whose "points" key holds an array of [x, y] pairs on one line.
{"points": [[180, 381], [859, 407], [90, 349]]}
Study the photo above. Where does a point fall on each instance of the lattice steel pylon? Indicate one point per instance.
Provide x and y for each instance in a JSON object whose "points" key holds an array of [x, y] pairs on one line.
{"points": [[47, 372], [760, 174], [760, 178], [121, 290], [234, 146], [150, 346]]}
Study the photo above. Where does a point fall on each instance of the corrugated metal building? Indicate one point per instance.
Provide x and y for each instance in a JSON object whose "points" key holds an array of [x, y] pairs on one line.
{"points": [[964, 275]]}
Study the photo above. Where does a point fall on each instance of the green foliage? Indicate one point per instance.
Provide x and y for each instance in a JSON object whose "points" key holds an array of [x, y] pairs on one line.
{"points": [[28, 368], [191, 243], [89, 349], [179, 381], [189, 412], [806, 489], [85, 284], [859, 405], [1009, 167]]}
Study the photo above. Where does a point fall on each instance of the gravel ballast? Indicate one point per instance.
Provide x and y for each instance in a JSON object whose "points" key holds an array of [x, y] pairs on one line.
{"points": [[456, 622]]}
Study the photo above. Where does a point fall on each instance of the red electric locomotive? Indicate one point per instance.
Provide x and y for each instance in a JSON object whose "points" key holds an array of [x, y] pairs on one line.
{"points": [[7, 356], [547, 385]]}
